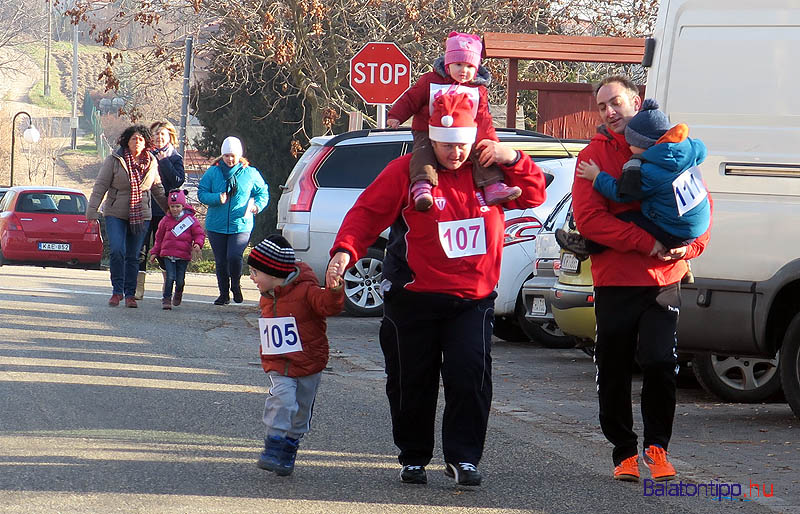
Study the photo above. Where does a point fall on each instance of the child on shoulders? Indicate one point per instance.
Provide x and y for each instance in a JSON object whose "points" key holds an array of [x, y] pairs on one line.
{"points": [[459, 71]]}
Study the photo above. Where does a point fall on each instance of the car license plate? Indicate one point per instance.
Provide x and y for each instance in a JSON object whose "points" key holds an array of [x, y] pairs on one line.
{"points": [[569, 262], [57, 247], [539, 307]]}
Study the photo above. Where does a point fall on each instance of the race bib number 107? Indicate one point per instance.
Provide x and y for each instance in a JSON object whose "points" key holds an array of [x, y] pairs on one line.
{"points": [[279, 335], [462, 238]]}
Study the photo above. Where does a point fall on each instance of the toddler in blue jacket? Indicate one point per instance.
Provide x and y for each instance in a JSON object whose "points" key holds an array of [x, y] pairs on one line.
{"points": [[662, 175]]}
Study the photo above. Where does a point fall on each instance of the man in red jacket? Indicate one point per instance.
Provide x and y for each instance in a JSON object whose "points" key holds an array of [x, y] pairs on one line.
{"points": [[440, 270], [637, 298]]}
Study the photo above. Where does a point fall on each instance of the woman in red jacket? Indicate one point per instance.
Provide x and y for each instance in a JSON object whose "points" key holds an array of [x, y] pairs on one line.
{"points": [[440, 270]]}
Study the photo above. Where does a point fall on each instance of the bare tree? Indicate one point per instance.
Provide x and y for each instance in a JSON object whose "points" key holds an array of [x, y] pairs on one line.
{"points": [[303, 47], [20, 22]]}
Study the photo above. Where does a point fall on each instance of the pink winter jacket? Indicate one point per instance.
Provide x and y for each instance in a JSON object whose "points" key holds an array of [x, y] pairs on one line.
{"points": [[167, 244]]}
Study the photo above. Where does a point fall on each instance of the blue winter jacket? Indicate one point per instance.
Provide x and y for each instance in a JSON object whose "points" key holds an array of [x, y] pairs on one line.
{"points": [[232, 217], [661, 165]]}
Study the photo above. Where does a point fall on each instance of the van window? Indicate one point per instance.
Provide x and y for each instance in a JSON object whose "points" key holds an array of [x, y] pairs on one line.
{"points": [[356, 166]]}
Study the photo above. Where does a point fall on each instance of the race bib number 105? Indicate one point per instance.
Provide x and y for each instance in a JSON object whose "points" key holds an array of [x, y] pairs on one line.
{"points": [[462, 238], [279, 335]]}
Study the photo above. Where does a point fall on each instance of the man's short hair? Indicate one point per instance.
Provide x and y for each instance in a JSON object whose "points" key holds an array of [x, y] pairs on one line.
{"points": [[622, 79]]}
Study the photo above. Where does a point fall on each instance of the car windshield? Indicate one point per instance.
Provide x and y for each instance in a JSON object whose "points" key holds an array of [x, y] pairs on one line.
{"points": [[62, 203]]}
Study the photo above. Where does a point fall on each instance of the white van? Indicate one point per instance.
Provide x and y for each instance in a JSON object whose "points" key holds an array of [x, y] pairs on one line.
{"points": [[729, 70]]}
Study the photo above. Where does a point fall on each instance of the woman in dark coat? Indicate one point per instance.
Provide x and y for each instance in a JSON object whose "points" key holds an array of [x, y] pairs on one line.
{"points": [[170, 168]]}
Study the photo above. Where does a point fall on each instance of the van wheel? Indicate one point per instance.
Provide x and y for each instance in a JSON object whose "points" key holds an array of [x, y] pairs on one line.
{"points": [[790, 365], [362, 282], [738, 379]]}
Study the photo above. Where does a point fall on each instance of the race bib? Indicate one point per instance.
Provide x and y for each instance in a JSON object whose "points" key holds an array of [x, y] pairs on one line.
{"points": [[279, 336], [462, 238], [689, 190], [181, 227]]}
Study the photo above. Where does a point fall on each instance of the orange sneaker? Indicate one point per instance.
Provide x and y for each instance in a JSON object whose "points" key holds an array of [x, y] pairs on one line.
{"points": [[656, 459], [628, 470]]}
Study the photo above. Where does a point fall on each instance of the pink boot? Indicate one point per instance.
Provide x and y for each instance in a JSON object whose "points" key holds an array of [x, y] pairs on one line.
{"points": [[500, 193], [421, 193]]}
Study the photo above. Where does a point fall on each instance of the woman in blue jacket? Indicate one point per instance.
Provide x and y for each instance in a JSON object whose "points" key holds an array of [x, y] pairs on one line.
{"points": [[234, 192]]}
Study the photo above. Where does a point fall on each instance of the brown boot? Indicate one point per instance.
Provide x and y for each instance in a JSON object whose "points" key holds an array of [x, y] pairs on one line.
{"points": [[176, 300], [166, 304]]}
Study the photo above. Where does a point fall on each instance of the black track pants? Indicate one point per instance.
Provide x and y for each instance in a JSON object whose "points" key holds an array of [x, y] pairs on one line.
{"points": [[640, 323], [423, 336]]}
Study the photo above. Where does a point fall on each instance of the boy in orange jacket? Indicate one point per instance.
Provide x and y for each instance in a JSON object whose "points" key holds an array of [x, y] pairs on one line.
{"points": [[294, 345]]}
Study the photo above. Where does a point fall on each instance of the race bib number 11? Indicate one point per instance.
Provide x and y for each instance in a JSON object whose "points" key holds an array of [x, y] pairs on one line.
{"points": [[689, 190], [462, 238], [279, 335]]}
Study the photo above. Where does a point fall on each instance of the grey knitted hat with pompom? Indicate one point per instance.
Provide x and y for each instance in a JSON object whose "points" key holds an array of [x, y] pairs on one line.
{"points": [[647, 126]]}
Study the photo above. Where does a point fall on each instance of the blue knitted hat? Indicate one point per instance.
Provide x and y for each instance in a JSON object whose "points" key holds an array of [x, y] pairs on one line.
{"points": [[647, 126]]}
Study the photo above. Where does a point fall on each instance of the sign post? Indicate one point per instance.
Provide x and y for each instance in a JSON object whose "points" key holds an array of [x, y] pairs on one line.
{"points": [[380, 73]]}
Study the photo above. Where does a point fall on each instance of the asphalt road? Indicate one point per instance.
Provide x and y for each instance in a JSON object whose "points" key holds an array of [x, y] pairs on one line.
{"points": [[143, 410]]}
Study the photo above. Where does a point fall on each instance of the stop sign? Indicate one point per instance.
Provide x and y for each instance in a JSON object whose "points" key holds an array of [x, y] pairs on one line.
{"points": [[380, 73]]}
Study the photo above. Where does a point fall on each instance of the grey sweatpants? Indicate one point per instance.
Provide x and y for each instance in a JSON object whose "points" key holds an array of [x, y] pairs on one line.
{"points": [[288, 408]]}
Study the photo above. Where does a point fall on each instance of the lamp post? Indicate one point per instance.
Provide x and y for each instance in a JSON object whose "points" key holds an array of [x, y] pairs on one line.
{"points": [[31, 135]]}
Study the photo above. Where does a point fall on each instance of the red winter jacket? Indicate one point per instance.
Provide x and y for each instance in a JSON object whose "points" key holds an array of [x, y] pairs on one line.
{"points": [[167, 244], [415, 255], [627, 261], [304, 299], [416, 101]]}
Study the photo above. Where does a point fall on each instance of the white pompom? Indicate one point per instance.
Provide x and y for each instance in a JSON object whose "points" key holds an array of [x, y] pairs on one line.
{"points": [[447, 120]]}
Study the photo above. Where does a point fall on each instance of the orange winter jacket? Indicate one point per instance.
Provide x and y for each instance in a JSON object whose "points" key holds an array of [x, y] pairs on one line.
{"points": [[309, 303]]}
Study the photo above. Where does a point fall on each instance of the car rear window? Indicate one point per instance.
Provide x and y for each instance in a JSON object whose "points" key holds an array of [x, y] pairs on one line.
{"points": [[356, 166], [62, 203]]}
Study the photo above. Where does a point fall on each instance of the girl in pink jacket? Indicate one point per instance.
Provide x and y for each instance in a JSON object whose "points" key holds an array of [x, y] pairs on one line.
{"points": [[179, 234]]}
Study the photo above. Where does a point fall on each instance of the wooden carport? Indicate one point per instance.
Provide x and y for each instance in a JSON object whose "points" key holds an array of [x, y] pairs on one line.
{"points": [[565, 109]]}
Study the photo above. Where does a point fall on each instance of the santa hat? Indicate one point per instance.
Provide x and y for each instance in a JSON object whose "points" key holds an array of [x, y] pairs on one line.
{"points": [[451, 120], [232, 145], [177, 196], [463, 48]]}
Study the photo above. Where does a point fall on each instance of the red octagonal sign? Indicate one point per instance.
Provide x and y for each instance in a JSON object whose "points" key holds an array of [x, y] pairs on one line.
{"points": [[380, 73]]}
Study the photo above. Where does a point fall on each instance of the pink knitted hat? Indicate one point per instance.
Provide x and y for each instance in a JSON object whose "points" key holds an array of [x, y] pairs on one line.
{"points": [[463, 48]]}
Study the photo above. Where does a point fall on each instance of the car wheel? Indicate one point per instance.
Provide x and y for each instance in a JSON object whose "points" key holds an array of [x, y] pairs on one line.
{"points": [[738, 379], [507, 329], [548, 335], [790, 365], [362, 283]]}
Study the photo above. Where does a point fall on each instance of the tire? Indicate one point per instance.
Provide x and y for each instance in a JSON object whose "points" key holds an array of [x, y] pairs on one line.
{"points": [[506, 328], [738, 379], [362, 281], [549, 335], [790, 365]]}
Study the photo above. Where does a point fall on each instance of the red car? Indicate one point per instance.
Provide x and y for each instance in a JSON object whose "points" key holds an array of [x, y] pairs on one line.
{"points": [[48, 225]]}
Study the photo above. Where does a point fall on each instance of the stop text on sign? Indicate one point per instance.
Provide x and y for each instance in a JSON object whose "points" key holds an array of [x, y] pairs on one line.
{"points": [[374, 72]]}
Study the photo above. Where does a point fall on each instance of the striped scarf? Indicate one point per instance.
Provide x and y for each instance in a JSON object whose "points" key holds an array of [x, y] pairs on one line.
{"points": [[136, 169]]}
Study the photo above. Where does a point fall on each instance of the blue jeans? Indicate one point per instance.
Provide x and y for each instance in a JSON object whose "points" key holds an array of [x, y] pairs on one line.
{"points": [[228, 250], [175, 275], [124, 246]]}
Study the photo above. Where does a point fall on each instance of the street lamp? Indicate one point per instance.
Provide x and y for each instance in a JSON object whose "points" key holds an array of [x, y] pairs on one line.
{"points": [[31, 135]]}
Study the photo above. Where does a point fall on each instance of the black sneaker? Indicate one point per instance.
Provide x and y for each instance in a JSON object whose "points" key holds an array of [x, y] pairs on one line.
{"points": [[572, 242], [464, 473], [413, 475], [222, 300], [237, 295]]}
